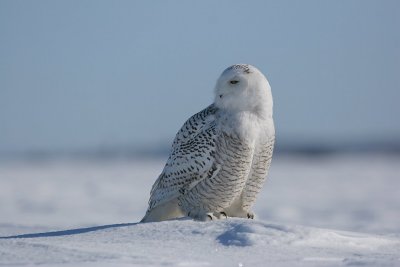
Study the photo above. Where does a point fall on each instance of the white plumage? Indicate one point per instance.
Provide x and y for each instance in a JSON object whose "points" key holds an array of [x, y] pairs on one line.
{"points": [[221, 155]]}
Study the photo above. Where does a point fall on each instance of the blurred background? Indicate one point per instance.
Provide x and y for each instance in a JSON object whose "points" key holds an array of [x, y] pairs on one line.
{"points": [[93, 92]]}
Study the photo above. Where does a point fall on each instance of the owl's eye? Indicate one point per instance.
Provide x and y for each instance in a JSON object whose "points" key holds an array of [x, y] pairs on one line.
{"points": [[233, 82]]}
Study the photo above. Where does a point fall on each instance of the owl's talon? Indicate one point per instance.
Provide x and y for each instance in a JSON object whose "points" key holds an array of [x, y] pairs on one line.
{"points": [[224, 214], [250, 215], [202, 216]]}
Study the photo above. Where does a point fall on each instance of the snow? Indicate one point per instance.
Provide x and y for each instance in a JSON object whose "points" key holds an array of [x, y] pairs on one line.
{"points": [[304, 199], [234, 242]]}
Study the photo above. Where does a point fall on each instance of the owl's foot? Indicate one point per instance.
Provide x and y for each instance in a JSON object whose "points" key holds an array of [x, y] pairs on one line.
{"points": [[202, 216], [240, 213], [221, 215]]}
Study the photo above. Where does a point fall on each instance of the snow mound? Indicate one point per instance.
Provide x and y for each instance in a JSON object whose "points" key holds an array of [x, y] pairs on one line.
{"points": [[232, 242]]}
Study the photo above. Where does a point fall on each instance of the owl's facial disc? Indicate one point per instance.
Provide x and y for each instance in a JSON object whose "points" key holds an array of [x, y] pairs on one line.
{"points": [[232, 84], [242, 87]]}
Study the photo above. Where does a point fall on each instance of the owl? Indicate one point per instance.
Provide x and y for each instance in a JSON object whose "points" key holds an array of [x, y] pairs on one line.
{"points": [[220, 157]]}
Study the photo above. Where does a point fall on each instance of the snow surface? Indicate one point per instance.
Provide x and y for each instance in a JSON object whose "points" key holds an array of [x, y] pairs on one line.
{"points": [[234, 242], [101, 201]]}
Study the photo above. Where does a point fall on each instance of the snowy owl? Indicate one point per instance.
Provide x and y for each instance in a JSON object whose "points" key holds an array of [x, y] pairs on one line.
{"points": [[221, 155]]}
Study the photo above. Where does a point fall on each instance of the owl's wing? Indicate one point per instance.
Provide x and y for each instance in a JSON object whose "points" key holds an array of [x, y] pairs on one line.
{"points": [[192, 158]]}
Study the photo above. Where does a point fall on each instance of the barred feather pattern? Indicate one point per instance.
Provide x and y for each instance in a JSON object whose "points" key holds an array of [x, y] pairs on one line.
{"points": [[259, 171], [216, 193], [208, 168]]}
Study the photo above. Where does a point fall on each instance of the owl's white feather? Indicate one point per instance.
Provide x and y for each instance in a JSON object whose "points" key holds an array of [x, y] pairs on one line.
{"points": [[221, 155]]}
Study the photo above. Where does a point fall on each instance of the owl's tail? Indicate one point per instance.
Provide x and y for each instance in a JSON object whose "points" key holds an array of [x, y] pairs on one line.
{"points": [[165, 211]]}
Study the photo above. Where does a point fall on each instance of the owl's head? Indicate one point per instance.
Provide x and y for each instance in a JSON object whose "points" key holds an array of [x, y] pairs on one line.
{"points": [[243, 87]]}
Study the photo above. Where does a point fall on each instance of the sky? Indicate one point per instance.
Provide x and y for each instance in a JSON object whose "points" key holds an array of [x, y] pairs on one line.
{"points": [[86, 74]]}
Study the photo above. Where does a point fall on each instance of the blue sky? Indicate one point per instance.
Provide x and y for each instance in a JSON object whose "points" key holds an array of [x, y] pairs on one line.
{"points": [[84, 74]]}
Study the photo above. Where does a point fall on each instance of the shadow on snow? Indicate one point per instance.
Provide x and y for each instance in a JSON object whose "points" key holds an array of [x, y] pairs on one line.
{"points": [[69, 232]]}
